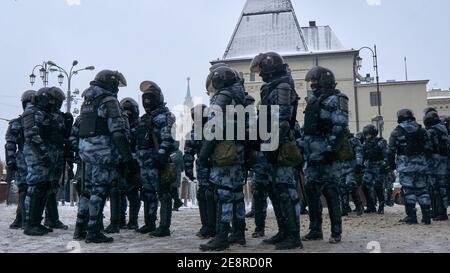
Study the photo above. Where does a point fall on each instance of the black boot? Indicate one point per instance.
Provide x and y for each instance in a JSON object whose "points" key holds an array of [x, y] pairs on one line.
{"points": [[80, 232], [331, 195], [34, 213], [344, 204], [134, 207], [259, 232], [211, 211], [292, 241], [123, 211], [381, 208], [220, 242], [380, 191], [95, 236], [203, 233], [411, 216], [51, 212], [315, 213], [20, 212], [165, 217], [149, 225], [238, 235], [114, 203], [426, 216]]}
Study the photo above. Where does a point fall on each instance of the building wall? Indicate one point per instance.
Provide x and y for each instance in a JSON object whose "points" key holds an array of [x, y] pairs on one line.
{"points": [[439, 99], [394, 96], [340, 63]]}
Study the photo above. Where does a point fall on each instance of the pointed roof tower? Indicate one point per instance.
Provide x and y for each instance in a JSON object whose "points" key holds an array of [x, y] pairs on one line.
{"points": [[188, 99], [266, 25]]}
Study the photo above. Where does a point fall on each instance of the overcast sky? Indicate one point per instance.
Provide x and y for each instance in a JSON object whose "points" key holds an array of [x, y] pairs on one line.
{"points": [[168, 40]]}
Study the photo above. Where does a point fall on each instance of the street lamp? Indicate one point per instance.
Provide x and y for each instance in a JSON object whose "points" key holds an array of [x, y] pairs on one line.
{"points": [[69, 76], [32, 79], [379, 119]]}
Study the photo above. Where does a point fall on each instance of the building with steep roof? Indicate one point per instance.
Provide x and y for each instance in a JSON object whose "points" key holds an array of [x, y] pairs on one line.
{"points": [[272, 25]]}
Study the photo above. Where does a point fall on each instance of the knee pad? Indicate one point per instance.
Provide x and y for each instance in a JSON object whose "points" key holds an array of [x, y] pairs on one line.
{"points": [[101, 191]]}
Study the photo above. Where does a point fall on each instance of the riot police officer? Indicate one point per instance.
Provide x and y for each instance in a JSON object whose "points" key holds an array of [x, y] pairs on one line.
{"points": [[408, 145], [132, 180], [227, 159], [375, 149], [352, 162], [36, 124], [326, 124], [59, 130], [279, 90], [15, 161], [437, 163], [177, 159], [205, 190], [154, 144], [103, 143]]}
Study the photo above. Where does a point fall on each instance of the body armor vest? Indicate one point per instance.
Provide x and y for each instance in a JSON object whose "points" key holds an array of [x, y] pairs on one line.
{"points": [[314, 125], [144, 137], [413, 143], [372, 151], [440, 142], [91, 124]]}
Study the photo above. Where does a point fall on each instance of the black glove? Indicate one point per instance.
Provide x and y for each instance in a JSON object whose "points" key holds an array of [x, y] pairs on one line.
{"points": [[189, 174]]}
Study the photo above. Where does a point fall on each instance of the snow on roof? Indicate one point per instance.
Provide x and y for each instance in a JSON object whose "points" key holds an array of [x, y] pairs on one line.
{"points": [[321, 38], [271, 25], [266, 25], [267, 6]]}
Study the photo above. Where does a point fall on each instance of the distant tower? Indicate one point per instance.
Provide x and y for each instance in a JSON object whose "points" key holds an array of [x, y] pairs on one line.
{"points": [[188, 99]]}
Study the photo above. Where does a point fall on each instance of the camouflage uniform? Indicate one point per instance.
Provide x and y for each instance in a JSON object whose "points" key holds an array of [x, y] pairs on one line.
{"points": [[326, 121], [283, 179], [205, 190], [15, 161], [177, 159], [408, 144], [348, 185], [36, 123], [101, 121], [59, 131], [374, 173], [228, 180], [437, 170], [154, 129]]}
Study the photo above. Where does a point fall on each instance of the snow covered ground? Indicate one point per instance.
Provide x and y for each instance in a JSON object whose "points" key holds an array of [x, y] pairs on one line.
{"points": [[361, 235]]}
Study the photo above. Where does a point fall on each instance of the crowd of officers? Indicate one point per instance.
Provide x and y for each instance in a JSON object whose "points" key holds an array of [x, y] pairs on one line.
{"points": [[131, 159]]}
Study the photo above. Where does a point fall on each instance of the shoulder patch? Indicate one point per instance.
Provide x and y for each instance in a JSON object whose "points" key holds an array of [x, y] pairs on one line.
{"points": [[343, 103]]}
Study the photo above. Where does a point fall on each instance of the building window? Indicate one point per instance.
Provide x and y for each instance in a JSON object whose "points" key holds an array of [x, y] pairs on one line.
{"points": [[252, 77], [374, 99]]}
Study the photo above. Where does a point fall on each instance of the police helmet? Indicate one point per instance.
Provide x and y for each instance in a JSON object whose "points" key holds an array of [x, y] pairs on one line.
{"points": [[267, 64], [28, 97], [405, 115], [321, 77], [370, 130]]}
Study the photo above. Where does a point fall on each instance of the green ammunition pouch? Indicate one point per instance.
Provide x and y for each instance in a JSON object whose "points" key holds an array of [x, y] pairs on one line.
{"points": [[289, 155], [344, 150], [168, 174], [225, 154]]}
